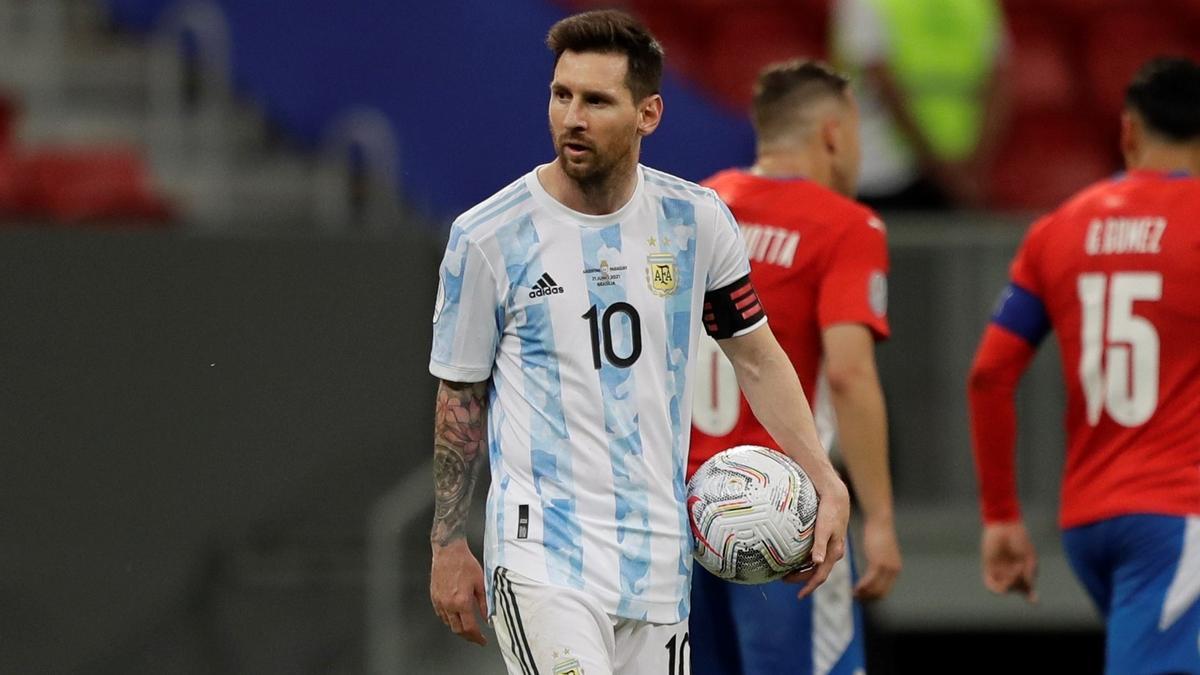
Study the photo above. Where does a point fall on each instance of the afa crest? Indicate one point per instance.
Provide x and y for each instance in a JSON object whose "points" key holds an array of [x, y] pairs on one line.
{"points": [[661, 273], [570, 667], [567, 664]]}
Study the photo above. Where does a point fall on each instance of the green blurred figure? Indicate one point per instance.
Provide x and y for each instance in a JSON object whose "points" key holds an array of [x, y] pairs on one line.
{"points": [[933, 90]]}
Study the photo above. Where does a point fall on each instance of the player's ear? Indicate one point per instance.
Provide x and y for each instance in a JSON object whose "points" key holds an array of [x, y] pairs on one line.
{"points": [[650, 112], [831, 134]]}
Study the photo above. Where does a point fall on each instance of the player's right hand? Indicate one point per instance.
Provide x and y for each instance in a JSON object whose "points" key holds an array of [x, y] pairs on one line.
{"points": [[881, 549], [457, 591], [1009, 560], [829, 537]]}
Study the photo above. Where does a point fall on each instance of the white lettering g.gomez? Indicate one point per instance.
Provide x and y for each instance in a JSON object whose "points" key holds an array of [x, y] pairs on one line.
{"points": [[589, 401]]}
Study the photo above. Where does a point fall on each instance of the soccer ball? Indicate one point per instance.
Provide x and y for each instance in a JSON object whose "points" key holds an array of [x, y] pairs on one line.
{"points": [[752, 512]]}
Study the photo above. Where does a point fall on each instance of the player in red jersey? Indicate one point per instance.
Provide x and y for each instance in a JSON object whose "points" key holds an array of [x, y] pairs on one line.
{"points": [[819, 262], [1115, 273]]}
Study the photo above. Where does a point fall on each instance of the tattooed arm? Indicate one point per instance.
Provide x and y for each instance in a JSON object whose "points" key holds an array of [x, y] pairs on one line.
{"points": [[458, 450], [456, 581]]}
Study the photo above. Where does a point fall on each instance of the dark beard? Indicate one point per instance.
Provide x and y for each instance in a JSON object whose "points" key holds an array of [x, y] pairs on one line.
{"points": [[587, 176], [594, 176]]}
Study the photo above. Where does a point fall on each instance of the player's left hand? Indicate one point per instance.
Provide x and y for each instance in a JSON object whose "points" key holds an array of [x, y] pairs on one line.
{"points": [[1009, 560], [882, 551], [456, 589], [829, 537]]}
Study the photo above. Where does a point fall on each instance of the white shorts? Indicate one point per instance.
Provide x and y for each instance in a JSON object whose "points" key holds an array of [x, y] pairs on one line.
{"points": [[553, 630]]}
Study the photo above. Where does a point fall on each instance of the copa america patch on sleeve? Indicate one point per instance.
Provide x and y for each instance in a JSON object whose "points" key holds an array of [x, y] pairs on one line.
{"points": [[877, 290]]}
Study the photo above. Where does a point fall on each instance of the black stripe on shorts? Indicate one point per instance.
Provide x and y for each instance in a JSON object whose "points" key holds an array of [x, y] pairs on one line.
{"points": [[519, 627], [502, 604]]}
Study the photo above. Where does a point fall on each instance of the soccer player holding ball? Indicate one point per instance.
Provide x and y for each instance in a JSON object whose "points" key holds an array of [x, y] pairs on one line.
{"points": [[567, 323], [1115, 274], [819, 263]]}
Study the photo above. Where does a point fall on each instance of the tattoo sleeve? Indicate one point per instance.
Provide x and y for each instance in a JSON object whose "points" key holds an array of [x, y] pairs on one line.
{"points": [[459, 440]]}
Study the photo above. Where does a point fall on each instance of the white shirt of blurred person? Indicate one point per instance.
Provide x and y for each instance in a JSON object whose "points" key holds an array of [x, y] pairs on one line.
{"points": [[567, 319], [931, 78]]}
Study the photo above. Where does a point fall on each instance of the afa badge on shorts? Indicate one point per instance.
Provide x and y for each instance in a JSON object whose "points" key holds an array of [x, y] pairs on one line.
{"points": [[660, 273], [567, 665]]}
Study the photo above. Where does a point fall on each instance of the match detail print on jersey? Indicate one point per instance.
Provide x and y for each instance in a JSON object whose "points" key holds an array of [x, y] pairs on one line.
{"points": [[732, 310]]}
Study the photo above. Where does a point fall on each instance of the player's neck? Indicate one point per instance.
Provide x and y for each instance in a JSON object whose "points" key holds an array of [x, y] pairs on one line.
{"points": [[594, 198], [792, 164], [1167, 158]]}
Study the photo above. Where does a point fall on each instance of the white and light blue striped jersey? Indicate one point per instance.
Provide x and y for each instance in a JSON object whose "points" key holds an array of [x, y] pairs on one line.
{"points": [[586, 326]]}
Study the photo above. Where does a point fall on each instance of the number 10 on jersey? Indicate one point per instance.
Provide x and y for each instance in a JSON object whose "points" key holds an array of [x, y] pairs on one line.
{"points": [[601, 326], [1118, 361]]}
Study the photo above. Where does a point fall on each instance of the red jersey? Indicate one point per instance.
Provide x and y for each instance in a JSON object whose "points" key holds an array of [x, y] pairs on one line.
{"points": [[816, 259], [1117, 270]]}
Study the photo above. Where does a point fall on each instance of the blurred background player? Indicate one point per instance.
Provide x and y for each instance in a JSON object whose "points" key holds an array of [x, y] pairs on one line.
{"points": [[568, 308], [1115, 273], [819, 262], [932, 79]]}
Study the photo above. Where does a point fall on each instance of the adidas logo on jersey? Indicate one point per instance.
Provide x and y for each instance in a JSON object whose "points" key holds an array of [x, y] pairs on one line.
{"points": [[545, 286]]}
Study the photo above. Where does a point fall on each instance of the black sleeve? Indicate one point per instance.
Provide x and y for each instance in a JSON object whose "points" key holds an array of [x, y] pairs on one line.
{"points": [[730, 310]]}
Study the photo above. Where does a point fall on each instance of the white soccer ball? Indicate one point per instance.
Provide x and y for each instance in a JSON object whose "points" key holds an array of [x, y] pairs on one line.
{"points": [[752, 511]]}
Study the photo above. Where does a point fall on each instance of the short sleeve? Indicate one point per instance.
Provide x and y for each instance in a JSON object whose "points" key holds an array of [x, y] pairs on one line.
{"points": [[465, 330], [1023, 271], [729, 250], [854, 288], [859, 33]]}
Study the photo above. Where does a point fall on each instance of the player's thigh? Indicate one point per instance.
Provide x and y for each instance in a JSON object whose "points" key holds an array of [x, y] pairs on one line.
{"points": [[651, 648], [838, 641], [713, 632], [1154, 621], [550, 629], [777, 632], [1092, 561]]}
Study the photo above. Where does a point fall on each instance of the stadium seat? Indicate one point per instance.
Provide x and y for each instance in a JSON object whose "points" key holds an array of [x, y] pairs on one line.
{"points": [[722, 44], [10, 187], [8, 118], [683, 32], [73, 184], [9, 172], [1043, 74], [1121, 39], [1049, 156], [1076, 10], [745, 38], [80, 185]]}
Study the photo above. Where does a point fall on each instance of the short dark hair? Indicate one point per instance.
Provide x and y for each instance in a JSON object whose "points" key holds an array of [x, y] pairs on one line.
{"points": [[1165, 92], [613, 31], [784, 87]]}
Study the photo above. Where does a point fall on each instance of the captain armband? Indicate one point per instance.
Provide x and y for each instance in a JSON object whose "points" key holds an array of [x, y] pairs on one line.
{"points": [[1022, 313], [732, 310]]}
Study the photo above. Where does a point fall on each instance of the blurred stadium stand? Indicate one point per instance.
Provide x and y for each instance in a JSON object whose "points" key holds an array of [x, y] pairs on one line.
{"points": [[146, 128], [59, 160], [1073, 59], [215, 445], [313, 122], [460, 130]]}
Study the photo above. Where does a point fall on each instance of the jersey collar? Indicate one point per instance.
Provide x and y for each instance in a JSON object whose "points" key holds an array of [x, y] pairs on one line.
{"points": [[1177, 174], [548, 201]]}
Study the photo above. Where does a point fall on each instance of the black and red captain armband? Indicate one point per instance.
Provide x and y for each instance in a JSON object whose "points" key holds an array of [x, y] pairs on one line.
{"points": [[731, 310]]}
